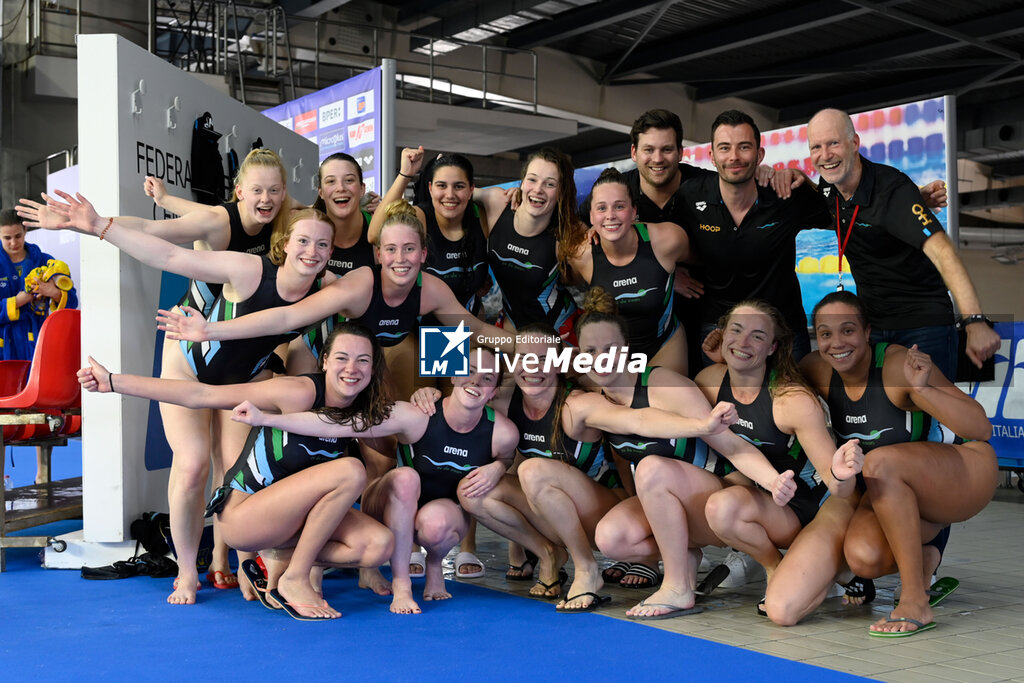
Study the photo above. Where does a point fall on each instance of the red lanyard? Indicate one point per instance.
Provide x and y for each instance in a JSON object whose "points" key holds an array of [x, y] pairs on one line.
{"points": [[841, 241]]}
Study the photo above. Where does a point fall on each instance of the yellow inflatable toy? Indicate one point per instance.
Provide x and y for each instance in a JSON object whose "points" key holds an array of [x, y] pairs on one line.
{"points": [[56, 271]]}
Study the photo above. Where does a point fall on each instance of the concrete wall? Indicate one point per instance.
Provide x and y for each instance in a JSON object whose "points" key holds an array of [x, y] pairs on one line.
{"points": [[998, 285]]}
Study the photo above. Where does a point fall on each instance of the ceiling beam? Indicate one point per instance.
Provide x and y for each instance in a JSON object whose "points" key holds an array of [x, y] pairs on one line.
{"points": [[460, 20], [651, 22], [931, 26], [575, 22], [892, 93], [420, 9], [738, 34], [873, 55], [310, 8]]}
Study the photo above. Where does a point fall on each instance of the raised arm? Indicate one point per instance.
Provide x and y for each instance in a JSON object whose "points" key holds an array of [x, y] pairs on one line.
{"points": [[410, 164], [155, 188], [751, 462], [797, 412], [242, 271], [280, 394], [930, 391], [349, 296], [599, 413], [406, 421], [493, 200]]}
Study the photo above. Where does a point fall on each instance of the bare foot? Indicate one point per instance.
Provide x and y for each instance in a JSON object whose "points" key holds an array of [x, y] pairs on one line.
{"points": [[303, 598], [182, 594], [403, 603], [917, 609], [655, 605], [373, 580], [434, 588], [247, 591]]}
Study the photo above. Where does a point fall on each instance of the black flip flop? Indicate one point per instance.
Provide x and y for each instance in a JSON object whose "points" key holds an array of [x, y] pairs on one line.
{"points": [[290, 610], [598, 601], [157, 566], [122, 569], [258, 579], [563, 578], [531, 560]]}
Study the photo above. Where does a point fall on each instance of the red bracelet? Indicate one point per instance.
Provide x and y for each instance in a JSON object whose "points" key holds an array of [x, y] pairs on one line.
{"points": [[104, 233]]}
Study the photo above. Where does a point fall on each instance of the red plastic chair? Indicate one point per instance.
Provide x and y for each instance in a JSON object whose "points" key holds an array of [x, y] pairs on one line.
{"points": [[50, 397], [13, 375], [52, 381]]}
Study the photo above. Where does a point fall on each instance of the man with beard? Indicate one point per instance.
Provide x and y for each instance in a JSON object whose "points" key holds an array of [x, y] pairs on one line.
{"points": [[745, 234]]}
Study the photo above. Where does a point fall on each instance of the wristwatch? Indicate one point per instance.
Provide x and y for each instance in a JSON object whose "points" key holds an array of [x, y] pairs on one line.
{"points": [[974, 318]]}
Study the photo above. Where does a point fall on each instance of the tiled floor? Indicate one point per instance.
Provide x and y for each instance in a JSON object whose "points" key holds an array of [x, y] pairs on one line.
{"points": [[980, 636]]}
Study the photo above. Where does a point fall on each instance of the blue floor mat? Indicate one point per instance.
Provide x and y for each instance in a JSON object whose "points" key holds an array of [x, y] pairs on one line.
{"points": [[58, 626]]}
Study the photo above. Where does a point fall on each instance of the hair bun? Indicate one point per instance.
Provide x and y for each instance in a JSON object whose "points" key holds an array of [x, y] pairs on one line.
{"points": [[597, 300], [399, 209]]}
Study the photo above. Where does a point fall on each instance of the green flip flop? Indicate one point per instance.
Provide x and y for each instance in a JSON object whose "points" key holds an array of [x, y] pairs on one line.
{"points": [[921, 626]]}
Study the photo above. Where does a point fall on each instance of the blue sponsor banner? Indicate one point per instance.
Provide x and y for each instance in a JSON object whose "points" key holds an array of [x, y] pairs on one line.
{"points": [[1003, 398], [344, 117]]}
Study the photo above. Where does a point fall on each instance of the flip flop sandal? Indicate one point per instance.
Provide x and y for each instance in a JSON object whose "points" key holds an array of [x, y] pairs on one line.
{"points": [[651, 577], [563, 578], [614, 573], [860, 588], [289, 608], [672, 613], [921, 626], [251, 571], [157, 566], [220, 580], [531, 561], [760, 607], [598, 601], [122, 569]]}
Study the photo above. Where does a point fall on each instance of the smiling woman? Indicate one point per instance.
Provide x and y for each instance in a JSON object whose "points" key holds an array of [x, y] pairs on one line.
{"points": [[635, 263], [288, 491], [386, 298], [292, 272], [461, 451]]}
